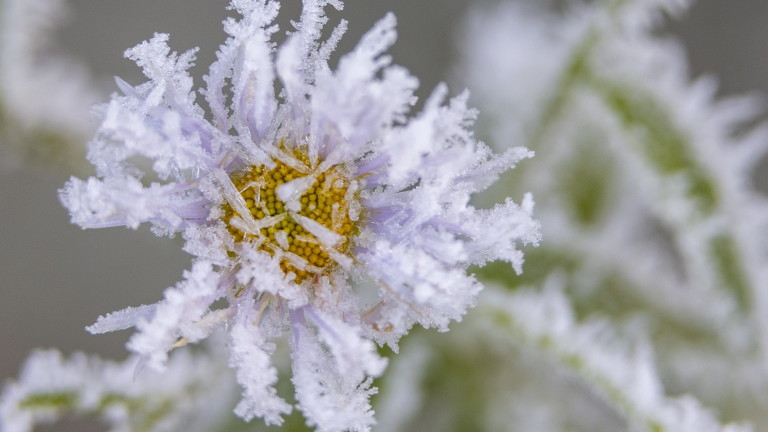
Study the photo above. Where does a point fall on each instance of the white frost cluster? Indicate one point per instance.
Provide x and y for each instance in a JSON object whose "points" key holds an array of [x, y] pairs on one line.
{"points": [[644, 184], [416, 232], [51, 388]]}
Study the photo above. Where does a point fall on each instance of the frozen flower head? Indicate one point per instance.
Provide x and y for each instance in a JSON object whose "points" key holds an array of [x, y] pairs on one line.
{"points": [[312, 204]]}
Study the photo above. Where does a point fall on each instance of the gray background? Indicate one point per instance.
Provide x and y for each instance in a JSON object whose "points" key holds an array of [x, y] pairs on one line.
{"points": [[56, 278]]}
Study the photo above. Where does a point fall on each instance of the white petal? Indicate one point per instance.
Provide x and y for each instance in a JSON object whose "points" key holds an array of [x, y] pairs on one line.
{"points": [[122, 319], [177, 315]]}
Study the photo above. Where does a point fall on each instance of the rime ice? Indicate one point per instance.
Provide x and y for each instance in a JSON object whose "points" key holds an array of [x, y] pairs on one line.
{"points": [[291, 203]]}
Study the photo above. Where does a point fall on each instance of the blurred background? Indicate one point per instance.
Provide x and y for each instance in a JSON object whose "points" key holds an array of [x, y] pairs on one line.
{"points": [[55, 278]]}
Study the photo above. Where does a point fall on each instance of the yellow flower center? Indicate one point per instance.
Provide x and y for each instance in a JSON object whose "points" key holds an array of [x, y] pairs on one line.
{"points": [[322, 197]]}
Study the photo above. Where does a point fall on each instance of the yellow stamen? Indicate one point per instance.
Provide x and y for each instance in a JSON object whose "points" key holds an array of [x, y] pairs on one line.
{"points": [[325, 201]]}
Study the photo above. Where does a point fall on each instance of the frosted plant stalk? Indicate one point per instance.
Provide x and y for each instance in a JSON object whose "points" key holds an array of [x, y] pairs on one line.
{"points": [[322, 210]]}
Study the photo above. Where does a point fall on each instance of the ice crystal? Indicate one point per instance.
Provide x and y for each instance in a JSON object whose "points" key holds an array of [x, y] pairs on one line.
{"points": [[322, 208]]}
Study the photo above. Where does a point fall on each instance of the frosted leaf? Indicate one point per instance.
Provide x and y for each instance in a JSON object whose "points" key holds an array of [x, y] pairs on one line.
{"points": [[46, 96], [52, 388]]}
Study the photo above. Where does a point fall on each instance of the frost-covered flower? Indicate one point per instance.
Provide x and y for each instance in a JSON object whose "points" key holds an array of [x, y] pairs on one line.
{"points": [[310, 200]]}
